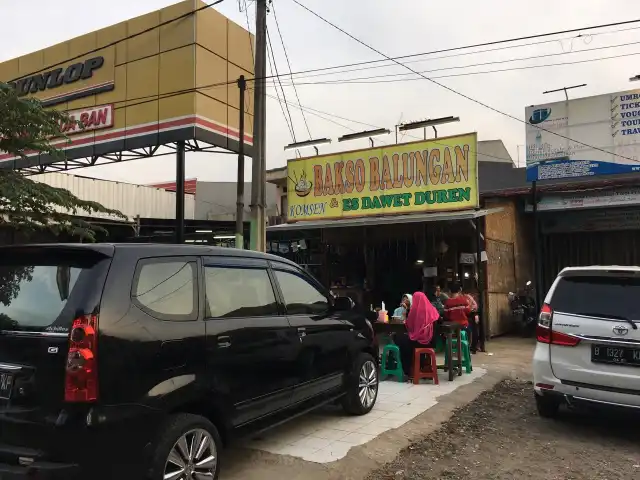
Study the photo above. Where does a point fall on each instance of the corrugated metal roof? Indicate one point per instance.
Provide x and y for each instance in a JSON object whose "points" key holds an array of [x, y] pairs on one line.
{"points": [[130, 199]]}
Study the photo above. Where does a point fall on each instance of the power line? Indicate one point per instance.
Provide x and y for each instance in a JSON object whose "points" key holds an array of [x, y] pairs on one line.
{"points": [[494, 62], [309, 109], [387, 59], [303, 109], [465, 47], [488, 50], [348, 81], [128, 37], [284, 114], [284, 95], [452, 90], [286, 55], [497, 42]]}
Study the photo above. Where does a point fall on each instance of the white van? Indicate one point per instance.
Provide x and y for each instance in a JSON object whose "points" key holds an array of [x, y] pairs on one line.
{"points": [[588, 350]]}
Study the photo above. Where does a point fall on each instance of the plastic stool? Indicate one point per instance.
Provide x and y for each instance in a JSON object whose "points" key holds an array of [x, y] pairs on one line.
{"points": [[432, 371], [384, 369], [466, 354]]}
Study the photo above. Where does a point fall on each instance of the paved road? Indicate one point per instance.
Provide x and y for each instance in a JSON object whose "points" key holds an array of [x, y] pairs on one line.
{"points": [[499, 436]]}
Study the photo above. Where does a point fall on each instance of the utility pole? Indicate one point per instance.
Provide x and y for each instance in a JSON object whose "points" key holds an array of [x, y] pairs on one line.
{"points": [[258, 173]]}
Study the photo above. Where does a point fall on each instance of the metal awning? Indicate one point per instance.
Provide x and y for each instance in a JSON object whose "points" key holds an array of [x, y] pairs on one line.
{"points": [[389, 219]]}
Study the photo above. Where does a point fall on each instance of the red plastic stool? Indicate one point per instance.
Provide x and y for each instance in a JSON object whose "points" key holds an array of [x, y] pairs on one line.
{"points": [[432, 371]]}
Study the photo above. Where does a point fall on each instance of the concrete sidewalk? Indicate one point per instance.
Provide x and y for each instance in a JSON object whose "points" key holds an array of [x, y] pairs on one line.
{"points": [[508, 357]]}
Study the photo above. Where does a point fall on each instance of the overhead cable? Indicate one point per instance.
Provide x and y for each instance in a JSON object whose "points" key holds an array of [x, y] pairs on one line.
{"points": [[286, 55], [450, 89]]}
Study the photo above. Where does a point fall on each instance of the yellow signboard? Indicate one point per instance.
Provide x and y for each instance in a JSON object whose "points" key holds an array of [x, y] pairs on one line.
{"points": [[428, 176]]}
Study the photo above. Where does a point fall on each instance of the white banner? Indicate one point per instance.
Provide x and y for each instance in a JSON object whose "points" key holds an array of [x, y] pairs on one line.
{"points": [[589, 136], [604, 198]]}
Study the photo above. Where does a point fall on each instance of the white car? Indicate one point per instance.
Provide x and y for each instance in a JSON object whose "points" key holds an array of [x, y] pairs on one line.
{"points": [[588, 351]]}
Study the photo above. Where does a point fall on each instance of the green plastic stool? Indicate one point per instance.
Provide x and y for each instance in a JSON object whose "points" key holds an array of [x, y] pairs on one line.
{"points": [[384, 370], [466, 353]]}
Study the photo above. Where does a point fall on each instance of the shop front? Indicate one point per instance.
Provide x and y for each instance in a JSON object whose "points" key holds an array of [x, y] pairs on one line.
{"points": [[375, 224], [590, 227], [378, 260]]}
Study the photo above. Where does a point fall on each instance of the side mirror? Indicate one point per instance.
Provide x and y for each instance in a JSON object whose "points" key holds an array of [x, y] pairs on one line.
{"points": [[343, 304]]}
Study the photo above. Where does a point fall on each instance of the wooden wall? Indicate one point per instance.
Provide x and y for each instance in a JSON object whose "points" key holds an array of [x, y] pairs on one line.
{"points": [[503, 238]]}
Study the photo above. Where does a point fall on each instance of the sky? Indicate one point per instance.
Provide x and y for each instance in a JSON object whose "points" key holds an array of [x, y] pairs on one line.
{"points": [[395, 28]]}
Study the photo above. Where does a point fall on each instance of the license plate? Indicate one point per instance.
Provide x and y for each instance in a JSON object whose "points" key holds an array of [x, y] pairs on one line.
{"points": [[616, 355], [6, 385]]}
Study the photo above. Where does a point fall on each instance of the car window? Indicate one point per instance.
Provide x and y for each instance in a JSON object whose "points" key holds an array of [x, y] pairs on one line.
{"points": [[596, 296], [167, 289], [300, 296], [33, 294], [239, 292]]}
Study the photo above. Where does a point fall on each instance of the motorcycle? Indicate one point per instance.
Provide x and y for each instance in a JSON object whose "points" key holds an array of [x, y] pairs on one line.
{"points": [[524, 310]]}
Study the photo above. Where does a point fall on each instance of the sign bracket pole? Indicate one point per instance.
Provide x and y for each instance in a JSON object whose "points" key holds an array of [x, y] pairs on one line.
{"points": [[180, 167], [240, 184], [536, 246], [482, 330]]}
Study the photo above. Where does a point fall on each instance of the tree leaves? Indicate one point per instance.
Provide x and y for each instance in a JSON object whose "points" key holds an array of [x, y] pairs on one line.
{"points": [[25, 126]]}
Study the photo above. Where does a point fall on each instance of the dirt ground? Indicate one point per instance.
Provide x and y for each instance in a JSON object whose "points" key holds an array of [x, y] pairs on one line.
{"points": [[499, 436]]}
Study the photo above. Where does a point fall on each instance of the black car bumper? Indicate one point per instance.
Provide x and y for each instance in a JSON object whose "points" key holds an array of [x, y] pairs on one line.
{"points": [[39, 471], [582, 403], [108, 451]]}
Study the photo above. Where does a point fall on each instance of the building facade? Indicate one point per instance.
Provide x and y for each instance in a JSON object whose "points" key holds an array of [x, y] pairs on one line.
{"points": [[446, 245]]}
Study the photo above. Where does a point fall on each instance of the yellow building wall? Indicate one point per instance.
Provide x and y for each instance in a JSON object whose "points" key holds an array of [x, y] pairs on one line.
{"points": [[224, 52], [159, 73]]}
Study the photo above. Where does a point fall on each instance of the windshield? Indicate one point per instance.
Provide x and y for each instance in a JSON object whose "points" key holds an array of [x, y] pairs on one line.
{"points": [[34, 294], [594, 296]]}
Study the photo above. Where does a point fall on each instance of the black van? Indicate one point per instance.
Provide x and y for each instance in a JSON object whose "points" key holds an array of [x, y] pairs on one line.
{"points": [[142, 360]]}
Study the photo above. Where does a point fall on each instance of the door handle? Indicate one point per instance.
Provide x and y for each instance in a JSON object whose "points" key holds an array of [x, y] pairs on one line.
{"points": [[224, 341]]}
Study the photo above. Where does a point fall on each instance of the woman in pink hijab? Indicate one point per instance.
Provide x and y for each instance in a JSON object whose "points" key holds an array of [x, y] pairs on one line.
{"points": [[420, 329]]}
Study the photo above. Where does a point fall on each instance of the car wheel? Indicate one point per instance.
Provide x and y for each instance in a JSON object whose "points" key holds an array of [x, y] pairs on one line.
{"points": [[547, 407], [361, 386], [187, 449]]}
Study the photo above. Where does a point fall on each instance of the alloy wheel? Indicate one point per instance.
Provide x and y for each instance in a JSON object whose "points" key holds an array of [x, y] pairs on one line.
{"points": [[368, 384], [193, 457]]}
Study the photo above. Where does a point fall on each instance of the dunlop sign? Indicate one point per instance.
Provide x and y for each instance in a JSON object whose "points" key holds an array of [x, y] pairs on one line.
{"points": [[428, 176]]}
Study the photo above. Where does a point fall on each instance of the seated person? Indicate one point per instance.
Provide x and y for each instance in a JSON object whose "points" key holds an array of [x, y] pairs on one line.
{"points": [[474, 321], [420, 326], [438, 297], [400, 313], [457, 309]]}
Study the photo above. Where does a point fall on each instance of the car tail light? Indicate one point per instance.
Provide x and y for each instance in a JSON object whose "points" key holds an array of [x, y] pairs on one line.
{"points": [[81, 376], [546, 334], [544, 386]]}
